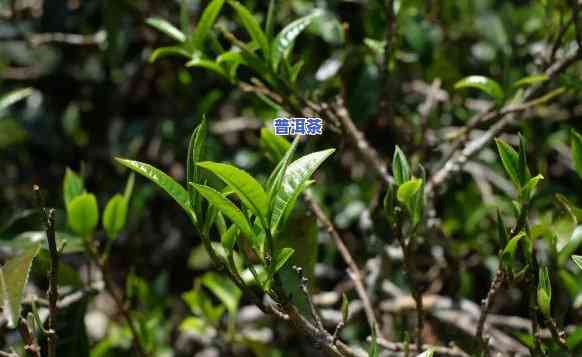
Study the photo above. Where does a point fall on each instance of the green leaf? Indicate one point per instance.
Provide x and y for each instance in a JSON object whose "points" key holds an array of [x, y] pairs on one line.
{"points": [[531, 80], [115, 215], [374, 350], [284, 41], [83, 214], [206, 22], [209, 65], [166, 28], [224, 289], [571, 246], [274, 145], [484, 84], [230, 237], [522, 169], [578, 260], [129, 187], [165, 182], [196, 153], [502, 236], [407, 192], [250, 192], [7, 99], [13, 279], [270, 19], [508, 255], [510, 161], [276, 178], [282, 257], [168, 51], [252, 26], [577, 152], [227, 208], [544, 292], [73, 186], [400, 167], [527, 192], [294, 182], [345, 308]]}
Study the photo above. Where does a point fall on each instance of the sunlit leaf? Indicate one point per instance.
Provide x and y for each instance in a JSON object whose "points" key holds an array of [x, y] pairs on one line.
{"points": [[283, 42], [83, 214], [227, 208], [205, 24], [250, 192], [167, 28], [296, 176], [13, 279], [72, 185], [115, 215], [400, 167], [531, 80], [510, 161], [165, 182], [407, 191], [252, 26], [482, 83]]}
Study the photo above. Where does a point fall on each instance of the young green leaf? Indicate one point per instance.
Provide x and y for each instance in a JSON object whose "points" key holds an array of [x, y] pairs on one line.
{"points": [[531, 80], [578, 260], [282, 257], [544, 292], [227, 208], [571, 246], [400, 167], [166, 28], [168, 51], [252, 26], [345, 309], [196, 153], [294, 182], [209, 65], [115, 215], [484, 84], [72, 185], [427, 353], [83, 214], [230, 237], [250, 192], [577, 152], [224, 289], [510, 161], [508, 255], [527, 192], [522, 169], [205, 24], [129, 187], [165, 182], [275, 146], [276, 178], [13, 279], [283, 42], [407, 192]]}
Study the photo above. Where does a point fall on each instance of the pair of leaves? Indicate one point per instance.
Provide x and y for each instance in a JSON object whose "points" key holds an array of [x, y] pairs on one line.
{"points": [[82, 210], [13, 279], [410, 190], [515, 165]]}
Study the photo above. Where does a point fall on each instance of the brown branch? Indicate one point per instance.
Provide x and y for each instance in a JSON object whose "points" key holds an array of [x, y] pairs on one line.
{"points": [[353, 270], [558, 334], [30, 344], [386, 108], [486, 308], [439, 350]]}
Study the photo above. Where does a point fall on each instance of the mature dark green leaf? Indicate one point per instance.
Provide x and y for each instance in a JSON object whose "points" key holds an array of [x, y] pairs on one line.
{"points": [[13, 279], [166, 28], [115, 215], [83, 214], [510, 161], [165, 182], [72, 185], [224, 289], [206, 22], [250, 192], [284, 41], [294, 182], [577, 152], [484, 84], [252, 26], [227, 208], [400, 167]]}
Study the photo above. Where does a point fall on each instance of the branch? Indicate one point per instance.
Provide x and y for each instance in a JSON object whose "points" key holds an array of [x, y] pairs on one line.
{"points": [[30, 344], [486, 307], [353, 270], [439, 350]]}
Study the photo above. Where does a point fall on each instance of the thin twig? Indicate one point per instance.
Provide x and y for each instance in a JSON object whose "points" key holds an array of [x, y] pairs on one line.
{"points": [[353, 269], [30, 344], [439, 350], [486, 308], [53, 294], [305, 290]]}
